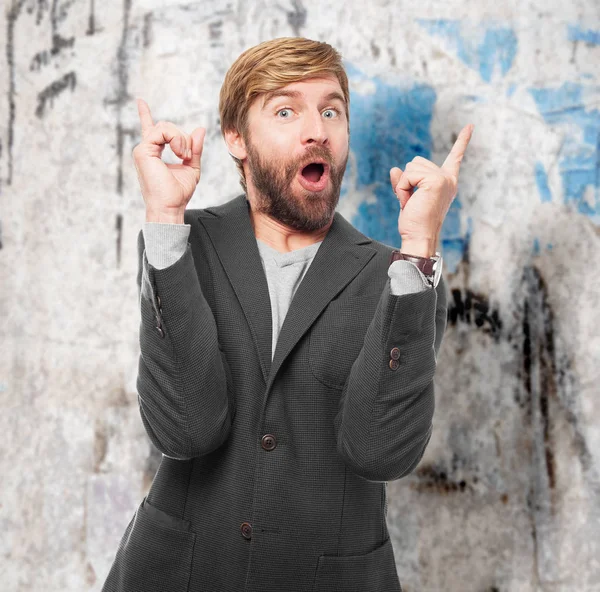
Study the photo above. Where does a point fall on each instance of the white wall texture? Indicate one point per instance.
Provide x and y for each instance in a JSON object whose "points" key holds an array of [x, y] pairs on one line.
{"points": [[507, 496]]}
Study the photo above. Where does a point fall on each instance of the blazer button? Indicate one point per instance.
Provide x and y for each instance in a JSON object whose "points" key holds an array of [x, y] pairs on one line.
{"points": [[395, 353], [268, 442], [394, 364], [160, 331], [158, 300], [246, 529]]}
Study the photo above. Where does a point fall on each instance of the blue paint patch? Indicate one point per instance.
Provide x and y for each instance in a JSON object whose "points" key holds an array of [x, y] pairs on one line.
{"points": [[541, 178], [576, 33], [496, 50], [388, 128], [536, 246], [579, 160]]}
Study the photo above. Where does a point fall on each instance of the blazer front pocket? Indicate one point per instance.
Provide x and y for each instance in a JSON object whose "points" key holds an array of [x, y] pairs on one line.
{"points": [[337, 337], [372, 572], [155, 553]]}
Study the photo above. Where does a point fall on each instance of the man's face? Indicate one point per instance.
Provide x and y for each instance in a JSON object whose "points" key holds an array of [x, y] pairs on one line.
{"points": [[287, 133]]}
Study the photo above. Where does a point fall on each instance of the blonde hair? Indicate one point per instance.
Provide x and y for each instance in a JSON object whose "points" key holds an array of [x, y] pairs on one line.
{"points": [[270, 66]]}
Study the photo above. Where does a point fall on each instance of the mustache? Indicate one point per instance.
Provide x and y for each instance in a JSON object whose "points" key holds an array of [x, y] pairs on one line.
{"points": [[317, 154]]}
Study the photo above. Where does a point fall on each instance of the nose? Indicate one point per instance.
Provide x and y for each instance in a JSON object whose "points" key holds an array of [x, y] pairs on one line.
{"points": [[314, 129]]}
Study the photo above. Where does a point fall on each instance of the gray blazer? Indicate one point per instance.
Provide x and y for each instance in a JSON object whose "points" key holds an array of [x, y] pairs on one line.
{"points": [[274, 473]]}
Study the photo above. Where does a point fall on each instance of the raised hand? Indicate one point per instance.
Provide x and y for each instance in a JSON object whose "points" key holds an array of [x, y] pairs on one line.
{"points": [[422, 212], [166, 188]]}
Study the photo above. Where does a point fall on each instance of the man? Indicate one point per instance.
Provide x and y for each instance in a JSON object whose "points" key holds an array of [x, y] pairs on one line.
{"points": [[286, 368]]}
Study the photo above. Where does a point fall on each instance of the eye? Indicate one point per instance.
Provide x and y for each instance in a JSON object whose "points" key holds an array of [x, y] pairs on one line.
{"points": [[331, 110], [283, 109]]}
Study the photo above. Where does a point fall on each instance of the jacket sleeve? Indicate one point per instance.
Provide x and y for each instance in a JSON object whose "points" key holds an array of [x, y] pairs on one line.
{"points": [[384, 420], [184, 385]]}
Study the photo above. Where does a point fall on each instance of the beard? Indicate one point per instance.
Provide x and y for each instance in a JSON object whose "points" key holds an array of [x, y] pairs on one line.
{"points": [[280, 196]]}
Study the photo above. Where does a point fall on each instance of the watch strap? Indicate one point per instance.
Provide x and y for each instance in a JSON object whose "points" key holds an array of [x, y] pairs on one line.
{"points": [[425, 264]]}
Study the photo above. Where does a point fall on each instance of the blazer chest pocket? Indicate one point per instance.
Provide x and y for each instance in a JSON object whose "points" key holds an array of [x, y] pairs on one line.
{"points": [[155, 553], [337, 337], [372, 572]]}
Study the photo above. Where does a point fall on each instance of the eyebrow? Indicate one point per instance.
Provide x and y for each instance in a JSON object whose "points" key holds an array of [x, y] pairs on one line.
{"points": [[295, 94]]}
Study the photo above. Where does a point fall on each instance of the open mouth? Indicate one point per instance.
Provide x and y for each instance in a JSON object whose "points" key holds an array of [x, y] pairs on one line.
{"points": [[313, 172], [314, 176]]}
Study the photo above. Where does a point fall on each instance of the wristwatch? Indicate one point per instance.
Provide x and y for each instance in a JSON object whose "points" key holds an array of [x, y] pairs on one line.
{"points": [[431, 267]]}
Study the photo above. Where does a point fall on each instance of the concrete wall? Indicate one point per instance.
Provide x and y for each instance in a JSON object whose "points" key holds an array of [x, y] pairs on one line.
{"points": [[507, 496]]}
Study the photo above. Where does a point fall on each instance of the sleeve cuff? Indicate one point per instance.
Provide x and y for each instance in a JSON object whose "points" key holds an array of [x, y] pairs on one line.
{"points": [[407, 278], [165, 243]]}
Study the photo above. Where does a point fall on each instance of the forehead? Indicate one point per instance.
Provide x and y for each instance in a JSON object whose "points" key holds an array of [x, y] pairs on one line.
{"points": [[316, 87]]}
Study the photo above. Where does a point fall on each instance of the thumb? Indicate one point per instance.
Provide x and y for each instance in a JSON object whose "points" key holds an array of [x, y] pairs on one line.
{"points": [[402, 194], [395, 174], [198, 142], [197, 137]]}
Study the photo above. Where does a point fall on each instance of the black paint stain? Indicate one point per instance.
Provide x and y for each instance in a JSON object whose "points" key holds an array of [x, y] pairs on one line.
{"points": [[544, 373], [549, 386], [297, 18], [435, 478], [53, 90], [147, 29], [11, 19], [43, 58], [121, 99], [474, 308], [375, 49], [119, 229], [215, 32], [538, 351], [58, 12], [92, 21], [533, 527]]}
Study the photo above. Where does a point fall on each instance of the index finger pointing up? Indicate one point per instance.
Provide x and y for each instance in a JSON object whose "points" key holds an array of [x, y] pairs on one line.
{"points": [[145, 115], [453, 160]]}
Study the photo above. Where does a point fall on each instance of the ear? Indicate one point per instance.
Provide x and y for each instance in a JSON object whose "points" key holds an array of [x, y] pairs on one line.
{"points": [[235, 144]]}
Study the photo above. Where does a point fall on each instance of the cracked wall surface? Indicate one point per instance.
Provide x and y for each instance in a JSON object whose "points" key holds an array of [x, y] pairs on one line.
{"points": [[507, 495]]}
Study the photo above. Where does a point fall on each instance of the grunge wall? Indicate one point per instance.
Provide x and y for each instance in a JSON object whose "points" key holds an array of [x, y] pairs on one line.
{"points": [[507, 496]]}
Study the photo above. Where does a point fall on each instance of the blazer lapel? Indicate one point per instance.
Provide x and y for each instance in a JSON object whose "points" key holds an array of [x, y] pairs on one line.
{"points": [[340, 258]]}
